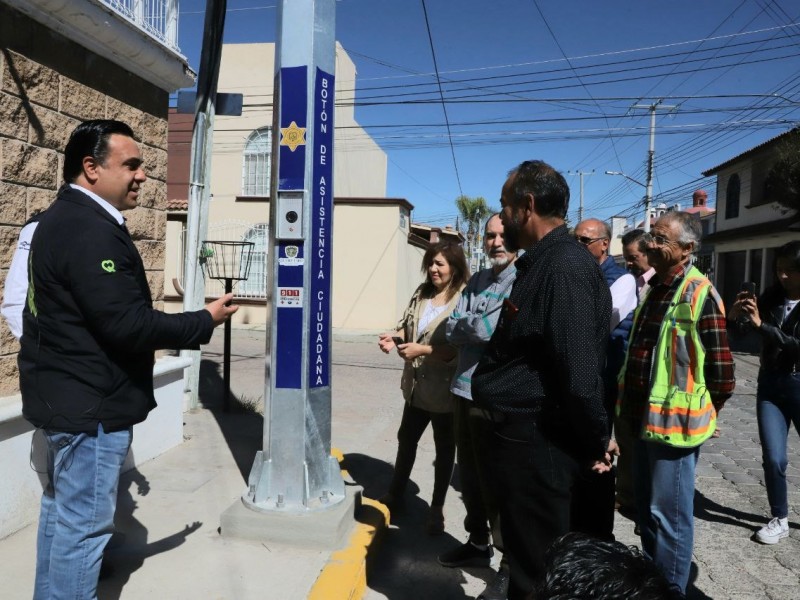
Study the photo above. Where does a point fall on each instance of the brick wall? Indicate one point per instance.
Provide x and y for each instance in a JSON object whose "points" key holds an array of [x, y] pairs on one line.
{"points": [[48, 85]]}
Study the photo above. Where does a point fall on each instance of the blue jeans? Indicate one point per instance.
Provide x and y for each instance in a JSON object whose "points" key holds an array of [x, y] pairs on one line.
{"points": [[77, 514], [664, 486], [777, 406]]}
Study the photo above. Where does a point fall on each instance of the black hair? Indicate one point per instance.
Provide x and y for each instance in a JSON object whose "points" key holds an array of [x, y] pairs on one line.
{"points": [[454, 255], [580, 566], [90, 138], [790, 251], [634, 235], [547, 186], [775, 293]]}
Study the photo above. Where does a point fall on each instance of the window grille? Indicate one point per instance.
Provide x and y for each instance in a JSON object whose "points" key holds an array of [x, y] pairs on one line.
{"points": [[255, 286], [257, 163]]}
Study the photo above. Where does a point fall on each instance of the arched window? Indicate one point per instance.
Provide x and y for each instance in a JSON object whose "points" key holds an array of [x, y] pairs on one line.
{"points": [[257, 163], [732, 197]]}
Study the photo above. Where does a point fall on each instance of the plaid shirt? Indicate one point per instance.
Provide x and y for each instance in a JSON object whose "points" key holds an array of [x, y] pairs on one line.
{"points": [[719, 365]]}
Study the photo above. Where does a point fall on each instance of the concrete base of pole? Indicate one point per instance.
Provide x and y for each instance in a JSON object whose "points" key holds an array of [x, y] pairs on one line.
{"points": [[323, 529]]}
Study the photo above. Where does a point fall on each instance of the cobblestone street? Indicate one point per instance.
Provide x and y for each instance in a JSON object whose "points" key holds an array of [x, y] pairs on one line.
{"points": [[731, 505]]}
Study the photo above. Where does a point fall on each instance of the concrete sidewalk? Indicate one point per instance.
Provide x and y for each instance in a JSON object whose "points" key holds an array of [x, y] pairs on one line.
{"points": [[168, 545]]}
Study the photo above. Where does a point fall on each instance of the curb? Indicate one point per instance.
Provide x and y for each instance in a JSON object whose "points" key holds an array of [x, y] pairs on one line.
{"points": [[344, 576]]}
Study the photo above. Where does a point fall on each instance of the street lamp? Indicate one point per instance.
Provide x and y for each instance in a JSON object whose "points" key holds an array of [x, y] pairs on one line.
{"points": [[647, 198]]}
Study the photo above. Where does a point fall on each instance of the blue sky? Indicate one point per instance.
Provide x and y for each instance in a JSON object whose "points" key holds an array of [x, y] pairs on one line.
{"points": [[554, 80]]}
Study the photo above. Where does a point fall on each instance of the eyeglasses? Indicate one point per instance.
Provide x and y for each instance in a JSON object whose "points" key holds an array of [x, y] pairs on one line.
{"points": [[658, 240], [587, 240]]}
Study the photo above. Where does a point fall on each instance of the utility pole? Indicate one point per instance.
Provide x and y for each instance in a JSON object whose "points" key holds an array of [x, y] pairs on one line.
{"points": [[648, 199], [200, 177], [580, 175]]}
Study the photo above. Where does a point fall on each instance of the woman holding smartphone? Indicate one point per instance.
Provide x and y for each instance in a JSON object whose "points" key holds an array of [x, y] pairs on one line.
{"points": [[430, 363], [776, 318]]}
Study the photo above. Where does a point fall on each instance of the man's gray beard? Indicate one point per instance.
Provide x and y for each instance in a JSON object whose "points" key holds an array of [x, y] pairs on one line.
{"points": [[499, 261]]}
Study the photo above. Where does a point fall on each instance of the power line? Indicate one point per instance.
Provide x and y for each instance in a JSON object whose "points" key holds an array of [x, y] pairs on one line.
{"points": [[585, 56], [441, 95]]}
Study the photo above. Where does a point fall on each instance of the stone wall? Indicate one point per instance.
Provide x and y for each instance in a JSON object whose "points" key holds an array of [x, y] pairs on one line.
{"points": [[48, 85]]}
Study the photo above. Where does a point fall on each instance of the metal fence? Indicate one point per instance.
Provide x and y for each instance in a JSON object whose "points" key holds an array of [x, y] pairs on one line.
{"points": [[256, 284], [158, 18]]}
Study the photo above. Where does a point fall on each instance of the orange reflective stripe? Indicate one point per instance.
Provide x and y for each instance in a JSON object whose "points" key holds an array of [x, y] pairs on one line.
{"points": [[696, 294], [682, 410], [690, 371]]}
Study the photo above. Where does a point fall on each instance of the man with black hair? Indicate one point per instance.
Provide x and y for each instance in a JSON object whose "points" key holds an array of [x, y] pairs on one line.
{"points": [[634, 250], [539, 382], [87, 351], [580, 567], [593, 495]]}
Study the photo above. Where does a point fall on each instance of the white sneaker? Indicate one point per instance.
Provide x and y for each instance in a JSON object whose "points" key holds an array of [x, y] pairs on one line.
{"points": [[774, 531]]}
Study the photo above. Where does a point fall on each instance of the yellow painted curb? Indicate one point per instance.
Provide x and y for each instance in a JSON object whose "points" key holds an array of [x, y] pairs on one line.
{"points": [[344, 576]]}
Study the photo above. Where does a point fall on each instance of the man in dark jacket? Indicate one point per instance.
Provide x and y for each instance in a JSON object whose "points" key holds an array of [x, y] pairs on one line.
{"points": [[87, 351], [593, 495], [539, 380]]}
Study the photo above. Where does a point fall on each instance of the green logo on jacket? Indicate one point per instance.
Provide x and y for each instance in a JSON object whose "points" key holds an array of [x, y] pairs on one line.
{"points": [[108, 266]]}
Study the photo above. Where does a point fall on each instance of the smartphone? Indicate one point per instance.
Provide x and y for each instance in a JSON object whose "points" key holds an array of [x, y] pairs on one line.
{"points": [[398, 340], [749, 288]]}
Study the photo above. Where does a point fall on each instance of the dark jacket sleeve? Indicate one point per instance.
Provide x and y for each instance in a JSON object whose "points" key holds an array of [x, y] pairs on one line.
{"points": [[578, 334], [111, 291], [774, 335]]}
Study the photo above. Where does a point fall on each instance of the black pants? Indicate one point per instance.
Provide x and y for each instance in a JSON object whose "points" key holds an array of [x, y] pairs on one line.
{"points": [[412, 426], [533, 478], [593, 495], [592, 510], [473, 436]]}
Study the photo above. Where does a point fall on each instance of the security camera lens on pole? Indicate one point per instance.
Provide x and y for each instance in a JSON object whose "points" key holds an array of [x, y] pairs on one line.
{"points": [[295, 472]]}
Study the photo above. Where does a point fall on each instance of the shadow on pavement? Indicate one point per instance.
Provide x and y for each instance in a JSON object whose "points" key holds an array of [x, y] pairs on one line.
{"points": [[372, 474], [129, 546], [708, 510], [403, 563], [242, 427], [692, 593]]}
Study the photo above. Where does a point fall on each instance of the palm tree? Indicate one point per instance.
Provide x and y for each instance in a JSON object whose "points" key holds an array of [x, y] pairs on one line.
{"points": [[473, 212]]}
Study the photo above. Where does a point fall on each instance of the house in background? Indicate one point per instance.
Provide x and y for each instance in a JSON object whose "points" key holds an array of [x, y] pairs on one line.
{"points": [[704, 258], [376, 257], [700, 208], [749, 224]]}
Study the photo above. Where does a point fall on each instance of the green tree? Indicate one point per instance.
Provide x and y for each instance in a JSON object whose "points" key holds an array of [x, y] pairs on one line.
{"points": [[783, 181], [473, 212]]}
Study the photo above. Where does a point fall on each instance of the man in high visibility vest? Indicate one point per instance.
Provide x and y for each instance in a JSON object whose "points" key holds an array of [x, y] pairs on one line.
{"points": [[677, 375]]}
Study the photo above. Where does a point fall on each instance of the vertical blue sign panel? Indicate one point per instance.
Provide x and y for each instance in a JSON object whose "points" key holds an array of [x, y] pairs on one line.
{"points": [[321, 239], [287, 357], [292, 146], [288, 299]]}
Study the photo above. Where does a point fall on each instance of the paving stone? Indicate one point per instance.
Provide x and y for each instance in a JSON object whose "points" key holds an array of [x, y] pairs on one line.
{"points": [[740, 478]]}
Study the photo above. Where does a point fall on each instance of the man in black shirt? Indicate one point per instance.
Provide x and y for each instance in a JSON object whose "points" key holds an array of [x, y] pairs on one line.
{"points": [[540, 381]]}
